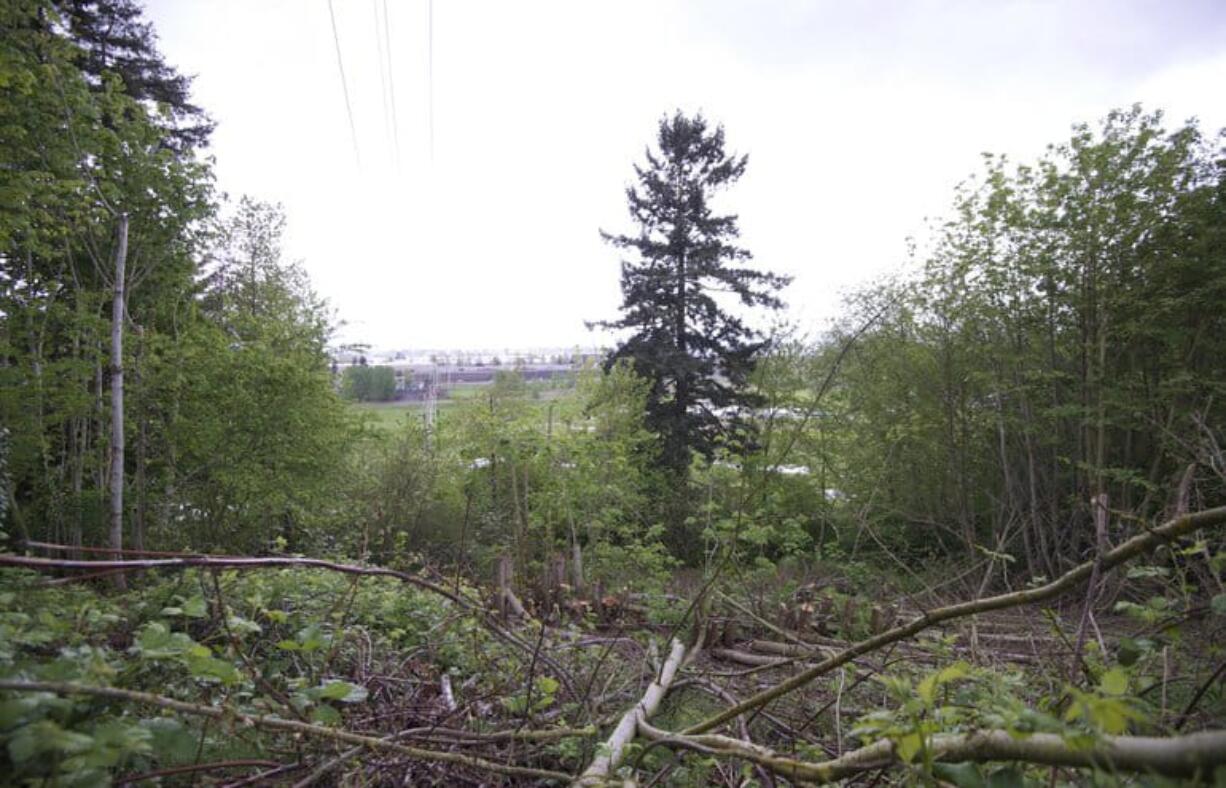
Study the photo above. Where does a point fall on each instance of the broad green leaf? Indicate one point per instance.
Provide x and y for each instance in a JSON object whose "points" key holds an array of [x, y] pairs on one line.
{"points": [[242, 626], [909, 746], [339, 690], [927, 688], [963, 775], [85, 778], [1007, 777], [325, 715], [312, 638], [43, 737], [211, 668], [170, 739], [1114, 682], [195, 607]]}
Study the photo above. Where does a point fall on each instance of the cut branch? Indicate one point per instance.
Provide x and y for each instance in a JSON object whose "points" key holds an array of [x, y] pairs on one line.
{"points": [[615, 747], [1137, 545], [242, 763], [744, 658]]}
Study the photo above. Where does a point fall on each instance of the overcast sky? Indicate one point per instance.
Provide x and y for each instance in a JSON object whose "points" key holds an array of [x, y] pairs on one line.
{"points": [[858, 118]]}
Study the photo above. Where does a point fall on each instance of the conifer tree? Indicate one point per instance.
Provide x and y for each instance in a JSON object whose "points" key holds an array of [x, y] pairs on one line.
{"points": [[696, 353], [114, 37]]}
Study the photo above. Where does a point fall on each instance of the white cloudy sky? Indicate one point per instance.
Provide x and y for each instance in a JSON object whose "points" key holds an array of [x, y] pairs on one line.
{"points": [[859, 118]]}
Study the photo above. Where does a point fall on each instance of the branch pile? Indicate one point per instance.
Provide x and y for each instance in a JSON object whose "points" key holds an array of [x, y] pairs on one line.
{"points": [[1191, 755]]}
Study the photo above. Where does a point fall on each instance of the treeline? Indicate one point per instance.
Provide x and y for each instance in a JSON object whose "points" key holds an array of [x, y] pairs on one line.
{"points": [[231, 417], [1063, 342], [1060, 342], [368, 384]]}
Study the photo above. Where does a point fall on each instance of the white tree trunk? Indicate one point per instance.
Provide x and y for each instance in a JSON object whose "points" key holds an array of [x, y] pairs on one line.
{"points": [[117, 317]]}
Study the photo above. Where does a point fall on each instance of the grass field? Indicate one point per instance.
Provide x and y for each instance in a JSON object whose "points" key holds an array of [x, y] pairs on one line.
{"points": [[390, 415]]}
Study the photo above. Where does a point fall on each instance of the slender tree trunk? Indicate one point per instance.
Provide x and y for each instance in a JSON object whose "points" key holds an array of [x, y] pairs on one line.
{"points": [[80, 444], [576, 556], [100, 472], [117, 317], [1100, 448], [1036, 521], [139, 517]]}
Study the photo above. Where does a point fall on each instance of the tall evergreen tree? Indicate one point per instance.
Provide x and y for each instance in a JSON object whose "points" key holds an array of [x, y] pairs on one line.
{"points": [[696, 353], [113, 37]]}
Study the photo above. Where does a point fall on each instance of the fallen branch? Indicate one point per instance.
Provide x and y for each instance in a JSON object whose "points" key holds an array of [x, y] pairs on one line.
{"points": [[614, 748], [242, 763], [450, 736], [447, 693], [277, 723], [510, 600], [1193, 755], [745, 658], [233, 562], [1200, 693], [458, 736], [1178, 756], [1130, 549], [786, 649]]}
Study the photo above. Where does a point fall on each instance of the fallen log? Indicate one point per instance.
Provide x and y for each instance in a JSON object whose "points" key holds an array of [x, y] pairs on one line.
{"points": [[1193, 755], [615, 746]]}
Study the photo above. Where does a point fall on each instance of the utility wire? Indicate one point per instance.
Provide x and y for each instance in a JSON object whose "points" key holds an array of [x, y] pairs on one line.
{"points": [[340, 64], [379, 40], [391, 82], [430, 71]]}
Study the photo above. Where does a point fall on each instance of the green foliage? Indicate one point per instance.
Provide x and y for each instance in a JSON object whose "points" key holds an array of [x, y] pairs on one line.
{"points": [[233, 423], [1063, 338], [1054, 346], [960, 698], [541, 696], [169, 639]]}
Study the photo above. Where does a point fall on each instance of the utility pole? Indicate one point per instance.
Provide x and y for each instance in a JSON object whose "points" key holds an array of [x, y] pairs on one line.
{"points": [[431, 400], [117, 317]]}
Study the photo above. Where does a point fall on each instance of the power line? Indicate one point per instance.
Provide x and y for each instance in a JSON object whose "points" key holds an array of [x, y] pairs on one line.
{"points": [[340, 64], [379, 39], [430, 72], [391, 82]]}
